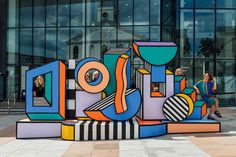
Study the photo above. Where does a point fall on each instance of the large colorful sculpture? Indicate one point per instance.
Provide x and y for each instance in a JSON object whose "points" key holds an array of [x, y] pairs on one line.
{"points": [[75, 108]]}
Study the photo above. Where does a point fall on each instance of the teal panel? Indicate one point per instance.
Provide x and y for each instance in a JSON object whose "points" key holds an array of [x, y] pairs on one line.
{"points": [[199, 103], [41, 116], [48, 87], [188, 91], [157, 55], [178, 78]]}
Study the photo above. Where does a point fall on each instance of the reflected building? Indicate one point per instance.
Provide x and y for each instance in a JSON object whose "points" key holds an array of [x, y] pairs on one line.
{"points": [[35, 32]]}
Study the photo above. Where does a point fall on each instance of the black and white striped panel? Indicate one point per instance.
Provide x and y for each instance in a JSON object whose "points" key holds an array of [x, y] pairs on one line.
{"points": [[176, 108], [95, 130], [71, 89]]}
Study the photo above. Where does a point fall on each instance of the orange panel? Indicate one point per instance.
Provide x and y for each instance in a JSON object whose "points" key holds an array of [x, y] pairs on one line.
{"points": [[148, 122], [192, 128], [96, 115], [136, 49], [204, 110], [62, 89], [193, 96], [121, 83], [182, 84], [156, 94]]}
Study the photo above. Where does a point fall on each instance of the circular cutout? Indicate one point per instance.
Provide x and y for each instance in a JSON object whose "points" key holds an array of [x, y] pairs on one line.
{"points": [[176, 108], [102, 75], [189, 101]]}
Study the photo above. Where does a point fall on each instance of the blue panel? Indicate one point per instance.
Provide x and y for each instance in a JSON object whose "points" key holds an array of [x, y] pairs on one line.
{"points": [[54, 69], [133, 101], [196, 115], [128, 70], [177, 88], [152, 130], [158, 73]]}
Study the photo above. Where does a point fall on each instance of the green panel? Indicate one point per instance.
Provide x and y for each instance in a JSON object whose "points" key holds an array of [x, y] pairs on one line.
{"points": [[188, 91], [199, 103], [110, 62], [51, 116], [178, 78], [157, 55], [48, 87]]}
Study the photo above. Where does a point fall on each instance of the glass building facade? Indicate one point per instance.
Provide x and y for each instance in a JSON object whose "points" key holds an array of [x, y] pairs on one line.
{"points": [[35, 32]]}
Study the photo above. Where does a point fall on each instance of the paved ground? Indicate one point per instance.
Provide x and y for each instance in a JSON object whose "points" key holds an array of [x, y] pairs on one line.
{"points": [[188, 145]]}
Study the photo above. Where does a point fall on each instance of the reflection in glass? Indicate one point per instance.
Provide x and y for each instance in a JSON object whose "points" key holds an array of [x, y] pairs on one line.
{"points": [[155, 12], [51, 43], [125, 36], [93, 46], [141, 33], [155, 33], [204, 33], [226, 72], [225, 33], [167, 12], [125, 12], [26, 41], [38, 41], [187, 69], [108, 38], [51, 13], [203, 66], [205, 3], [26, 13], [63, 43], [39, 13], [13, 13], [225, 3], [109, 13], [186, 3], [12, 40], [77, 47], [93, 13], [63, 13], [77, 12], [141, 12], [186, 33]]}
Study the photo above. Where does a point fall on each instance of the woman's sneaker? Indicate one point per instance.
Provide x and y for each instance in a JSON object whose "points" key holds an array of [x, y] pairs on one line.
{"points": [[217, 113], [210, 117]]}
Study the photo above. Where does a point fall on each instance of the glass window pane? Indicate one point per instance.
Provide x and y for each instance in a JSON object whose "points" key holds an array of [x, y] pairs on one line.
{"points": [[187, 66], [77, 12], [51, 13], [225, 3], [51, 43], [141, 33], [125, 37], [93, 46], [168, 33], [204, 3], [109, 12], [63, 13], [93, 14], [226, 72], [141, 12], [12, 40], [13, 13], [26, 13], [186, 33], [204, 33], [125, 12], [39, 13], [202, 67], [155, 33], [226, 99], [225, 34], [155, 12], [39, 42], [108, 38], [63, 43], [77, 44], [186, 3], [167, 12], [26, 41]]}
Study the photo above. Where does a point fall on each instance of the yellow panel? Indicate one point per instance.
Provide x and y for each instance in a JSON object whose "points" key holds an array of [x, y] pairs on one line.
{"points": [[67, 132], [189, 101], [143, 71], [168, 72], [84, 118], [104, 95]]}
